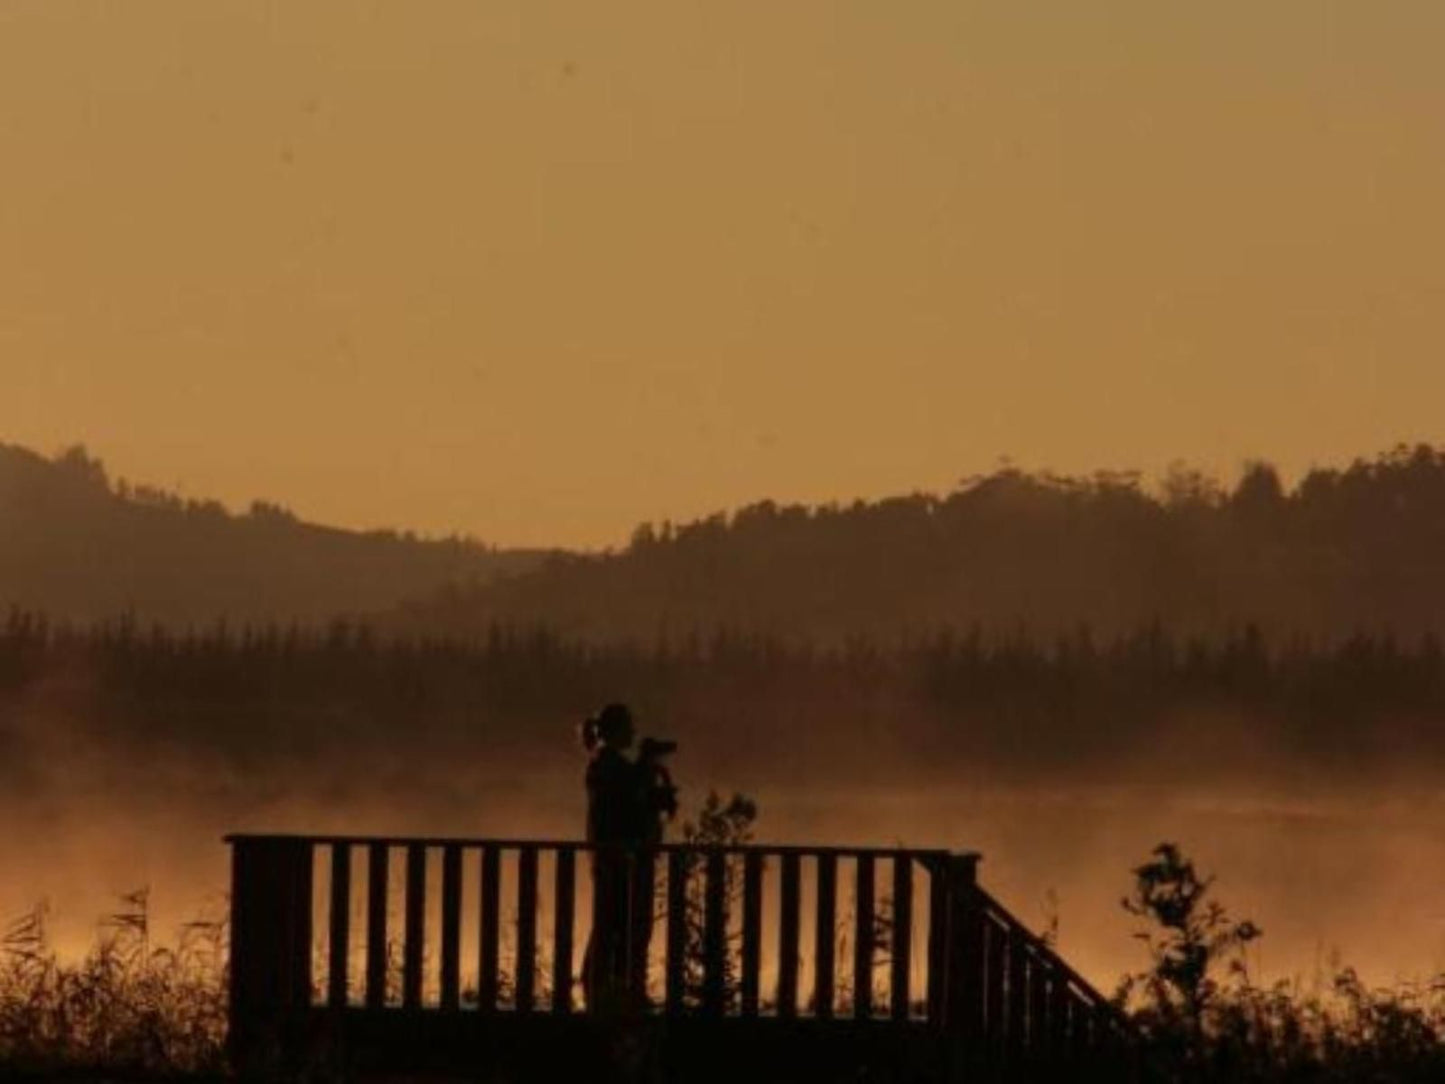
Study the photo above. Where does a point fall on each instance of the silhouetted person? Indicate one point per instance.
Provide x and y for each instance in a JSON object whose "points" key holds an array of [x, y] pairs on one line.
{"points": [[614, 823], [626, 800]]}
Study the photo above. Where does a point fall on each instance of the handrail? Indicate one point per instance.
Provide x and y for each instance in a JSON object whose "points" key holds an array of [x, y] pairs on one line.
{"points": [[801, 850], [1039, 945]]}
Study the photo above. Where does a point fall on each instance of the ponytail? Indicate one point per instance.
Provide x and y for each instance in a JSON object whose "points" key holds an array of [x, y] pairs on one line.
{"points": [[591, 734]]}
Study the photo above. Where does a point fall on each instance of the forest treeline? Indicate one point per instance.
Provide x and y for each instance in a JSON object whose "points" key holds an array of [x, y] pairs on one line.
{"points": [[1339, 552], [77, 544], [274, 701]]}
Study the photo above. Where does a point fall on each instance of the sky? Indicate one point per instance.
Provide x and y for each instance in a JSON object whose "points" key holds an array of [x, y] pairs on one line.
{"points": [[538, 271]]}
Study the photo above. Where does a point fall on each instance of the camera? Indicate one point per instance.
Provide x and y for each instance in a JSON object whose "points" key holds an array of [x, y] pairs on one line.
{"points": [[661, 790], [652, 748]]}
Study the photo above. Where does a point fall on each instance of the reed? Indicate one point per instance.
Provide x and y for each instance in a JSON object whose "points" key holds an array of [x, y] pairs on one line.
{"points": [[129, 1005]]}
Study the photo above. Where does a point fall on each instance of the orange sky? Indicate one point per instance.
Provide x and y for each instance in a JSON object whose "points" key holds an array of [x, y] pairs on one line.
{"points": [[540, 270]]}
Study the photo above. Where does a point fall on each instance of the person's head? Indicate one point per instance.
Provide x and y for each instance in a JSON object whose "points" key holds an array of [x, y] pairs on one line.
{"points": [[612, 727]]}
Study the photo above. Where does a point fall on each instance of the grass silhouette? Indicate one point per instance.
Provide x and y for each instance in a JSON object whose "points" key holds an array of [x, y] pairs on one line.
{"points": [[129, 1005]]}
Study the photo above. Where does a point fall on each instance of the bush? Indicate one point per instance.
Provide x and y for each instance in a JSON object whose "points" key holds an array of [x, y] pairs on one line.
{"points": [[1202, 1019]]}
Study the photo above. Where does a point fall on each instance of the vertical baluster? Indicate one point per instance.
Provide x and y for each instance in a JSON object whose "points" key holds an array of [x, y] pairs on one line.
{"points": [[451, 926], [340, 924], [415, 919], [863, 946], [1081, 1019], [489, 930], [564, 914], [1038, 1038], [788, 935], [715, 935], [376, 878], [676, 929], [752, 931], [1058, 1015], [996, 947], [938, 918], [1016, 1011], [824, 933], [1106, 1039], [526, 969]]}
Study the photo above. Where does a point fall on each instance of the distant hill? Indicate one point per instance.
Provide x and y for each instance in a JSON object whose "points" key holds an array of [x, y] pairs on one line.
{"points": [[77, 546], [1346, 551]]}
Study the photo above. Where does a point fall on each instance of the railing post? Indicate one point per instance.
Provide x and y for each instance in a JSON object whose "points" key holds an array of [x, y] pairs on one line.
{"points": [[676, 980], [715, 935], [564, 910], [271, 886], [1058, 1016], [963, 997], [377, 865], [752, 947], [489, 936], [789, 902], [1038, 1008], [1016, 1010], [451, 927], [901, 936], [996, 969]]}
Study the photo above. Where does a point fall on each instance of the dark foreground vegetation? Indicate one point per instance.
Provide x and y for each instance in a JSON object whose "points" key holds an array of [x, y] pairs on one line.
{"points": [[137, 1010], [1203, 1019], [131, 1007]]}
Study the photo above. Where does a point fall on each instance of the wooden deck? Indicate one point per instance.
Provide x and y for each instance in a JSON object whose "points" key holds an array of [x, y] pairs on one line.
{"points": [[462, 957]]}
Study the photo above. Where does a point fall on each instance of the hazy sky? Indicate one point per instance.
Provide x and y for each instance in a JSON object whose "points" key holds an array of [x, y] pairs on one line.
{"points": [[539, 271]]}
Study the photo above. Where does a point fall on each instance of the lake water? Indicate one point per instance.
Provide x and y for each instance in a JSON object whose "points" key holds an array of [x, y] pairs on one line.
{"points": [[1356, 879]]}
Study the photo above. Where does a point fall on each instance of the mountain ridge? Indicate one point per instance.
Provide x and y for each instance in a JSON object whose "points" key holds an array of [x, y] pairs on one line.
{"points": [[1359, 549], [78, 546]]}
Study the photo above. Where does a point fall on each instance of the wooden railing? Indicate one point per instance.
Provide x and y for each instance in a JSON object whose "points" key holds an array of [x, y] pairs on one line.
{"points": [[1024, 1003], [441, 927]]}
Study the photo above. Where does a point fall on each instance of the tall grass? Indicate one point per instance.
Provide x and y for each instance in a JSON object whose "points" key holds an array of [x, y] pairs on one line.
{"points": [[128, 1005]]}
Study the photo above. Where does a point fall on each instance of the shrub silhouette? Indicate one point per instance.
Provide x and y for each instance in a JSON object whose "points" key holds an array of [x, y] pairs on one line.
{"points": [[1188, 937], [1202, 1019], [718, 824]]}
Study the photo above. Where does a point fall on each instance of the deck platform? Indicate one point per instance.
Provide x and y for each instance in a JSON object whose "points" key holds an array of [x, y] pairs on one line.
{"points": [[462, 959]]}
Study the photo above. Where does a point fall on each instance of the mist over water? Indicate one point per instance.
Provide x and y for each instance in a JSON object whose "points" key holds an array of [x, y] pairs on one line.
{"points": [[1346, 878]]}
